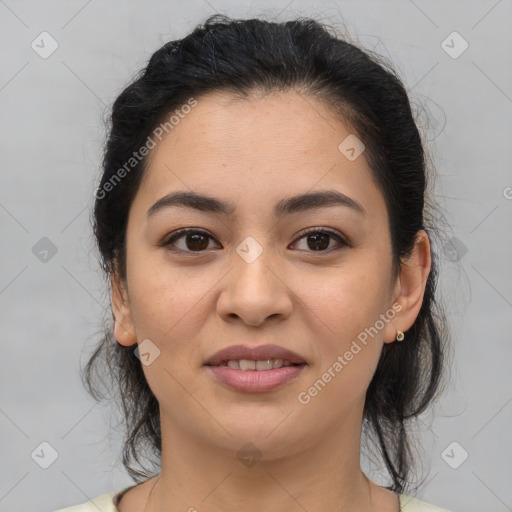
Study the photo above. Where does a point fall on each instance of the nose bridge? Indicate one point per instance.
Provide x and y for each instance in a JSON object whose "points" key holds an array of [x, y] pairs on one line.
{"points": [[253, 292], [251, 268]]}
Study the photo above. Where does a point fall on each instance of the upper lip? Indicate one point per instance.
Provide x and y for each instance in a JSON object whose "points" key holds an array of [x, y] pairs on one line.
{"points": [[261, 353]]}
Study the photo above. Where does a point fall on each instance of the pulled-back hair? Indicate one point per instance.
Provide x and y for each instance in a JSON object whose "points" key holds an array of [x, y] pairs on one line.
{"points": [[242, 57]]}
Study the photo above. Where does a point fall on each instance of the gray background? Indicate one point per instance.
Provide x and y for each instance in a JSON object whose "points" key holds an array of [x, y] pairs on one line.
{"points": [[51, 305]]}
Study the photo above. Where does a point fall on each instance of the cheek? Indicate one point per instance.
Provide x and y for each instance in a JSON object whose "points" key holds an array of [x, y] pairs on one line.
{"points": [[340, 313], [345, 299], [169, 304]]}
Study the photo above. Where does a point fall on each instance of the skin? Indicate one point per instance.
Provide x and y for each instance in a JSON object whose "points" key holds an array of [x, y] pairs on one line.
{"points": [[255, 152]]}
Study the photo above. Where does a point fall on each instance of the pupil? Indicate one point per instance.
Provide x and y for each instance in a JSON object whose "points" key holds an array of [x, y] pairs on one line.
{"points": [[317, 240]]}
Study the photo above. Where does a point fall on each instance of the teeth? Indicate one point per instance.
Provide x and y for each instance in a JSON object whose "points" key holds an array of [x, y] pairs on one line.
{"points": [[246, 364], [265, 364]]}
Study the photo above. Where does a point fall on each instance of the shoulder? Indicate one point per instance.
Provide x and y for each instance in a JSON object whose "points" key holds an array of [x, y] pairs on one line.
{"points": [[103, 503], [410, 504]]}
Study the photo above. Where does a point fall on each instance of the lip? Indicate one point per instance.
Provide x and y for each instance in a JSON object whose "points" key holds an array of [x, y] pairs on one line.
{"points": [[237, 352], [255, 381]]}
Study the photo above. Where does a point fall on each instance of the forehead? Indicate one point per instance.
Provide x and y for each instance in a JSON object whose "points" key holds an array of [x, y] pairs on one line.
{"points": [[256, 150], [282, 127]]}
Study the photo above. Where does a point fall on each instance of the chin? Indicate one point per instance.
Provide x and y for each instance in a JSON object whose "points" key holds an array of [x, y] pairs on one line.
{"points": [[267, 431]]}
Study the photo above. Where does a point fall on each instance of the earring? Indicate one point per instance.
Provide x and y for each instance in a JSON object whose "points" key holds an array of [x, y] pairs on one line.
{"points": [[399, 335]]}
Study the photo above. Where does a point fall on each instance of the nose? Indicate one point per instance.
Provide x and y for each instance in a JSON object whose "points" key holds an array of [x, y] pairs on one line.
{"points": [[254, 291]]}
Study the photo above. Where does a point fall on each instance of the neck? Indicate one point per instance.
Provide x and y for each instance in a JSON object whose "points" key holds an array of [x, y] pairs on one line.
{"points": [[199, 476]]}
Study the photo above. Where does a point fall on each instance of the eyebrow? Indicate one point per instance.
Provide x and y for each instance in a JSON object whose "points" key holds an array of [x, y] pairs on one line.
{"points": [[294, 204]]}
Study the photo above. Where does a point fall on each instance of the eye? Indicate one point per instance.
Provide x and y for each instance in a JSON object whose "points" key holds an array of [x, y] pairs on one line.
{"points": [[193, 240], [319, 239]]}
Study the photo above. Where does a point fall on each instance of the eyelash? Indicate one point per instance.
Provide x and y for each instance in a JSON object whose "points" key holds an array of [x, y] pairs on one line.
{"points": [[187, 231]]}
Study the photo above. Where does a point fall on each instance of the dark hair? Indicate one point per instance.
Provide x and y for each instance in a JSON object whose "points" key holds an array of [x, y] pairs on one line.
{"points": [[243, 57]]}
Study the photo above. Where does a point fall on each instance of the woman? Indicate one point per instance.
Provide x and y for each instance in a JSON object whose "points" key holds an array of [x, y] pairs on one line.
{"points": [[261, 220]]}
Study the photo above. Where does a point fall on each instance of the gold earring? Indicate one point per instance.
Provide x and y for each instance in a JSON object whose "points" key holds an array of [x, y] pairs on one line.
{"points": [[399, 335]]}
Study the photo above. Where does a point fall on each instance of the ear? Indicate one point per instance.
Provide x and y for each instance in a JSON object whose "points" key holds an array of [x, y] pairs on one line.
{"points": [[124, 330], [410, 287]]}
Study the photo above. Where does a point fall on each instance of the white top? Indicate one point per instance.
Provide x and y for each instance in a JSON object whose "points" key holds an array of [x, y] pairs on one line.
{"points": [[108, 502]]}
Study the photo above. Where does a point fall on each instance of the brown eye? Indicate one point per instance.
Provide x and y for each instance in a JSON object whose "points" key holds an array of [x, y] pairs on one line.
{"points": [[318, 240], [196, 241], [192, 240]]}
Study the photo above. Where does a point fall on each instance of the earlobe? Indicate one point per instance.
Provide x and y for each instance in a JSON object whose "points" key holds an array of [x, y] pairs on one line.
{"points": [[410, 286], [124, 331]]}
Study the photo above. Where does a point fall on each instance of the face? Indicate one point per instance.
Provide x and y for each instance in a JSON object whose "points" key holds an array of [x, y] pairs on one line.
{"points": [[253, 276]]}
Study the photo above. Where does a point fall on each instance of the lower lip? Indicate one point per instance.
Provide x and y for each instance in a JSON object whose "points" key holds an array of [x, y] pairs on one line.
{"points": [[254, 381]]}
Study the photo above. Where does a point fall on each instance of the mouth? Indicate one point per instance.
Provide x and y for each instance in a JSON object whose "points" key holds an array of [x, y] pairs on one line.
{"points": [[265, 357], [258, 369], [259, 365]]}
